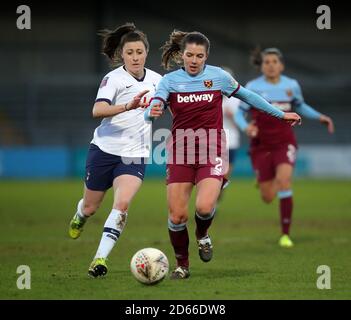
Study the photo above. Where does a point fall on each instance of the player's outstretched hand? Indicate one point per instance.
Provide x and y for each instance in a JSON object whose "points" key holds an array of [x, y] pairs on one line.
{"points": [[292, 118], [137, 101], [156, 111], [252, 130], [328, 122]]}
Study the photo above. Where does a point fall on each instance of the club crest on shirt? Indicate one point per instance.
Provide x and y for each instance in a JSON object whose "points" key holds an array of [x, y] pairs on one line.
{"points": [[208, 83], [289, 93], [103, 82]]}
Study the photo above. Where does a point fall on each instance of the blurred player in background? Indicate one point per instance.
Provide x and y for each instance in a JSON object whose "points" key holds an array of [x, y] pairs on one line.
{"points": [[273, 144], [229, 108], [121, 143], [194, 96]]}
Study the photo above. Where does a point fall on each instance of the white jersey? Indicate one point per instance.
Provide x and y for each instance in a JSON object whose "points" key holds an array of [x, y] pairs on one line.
{"points": [[232, 132], [126, 134]]}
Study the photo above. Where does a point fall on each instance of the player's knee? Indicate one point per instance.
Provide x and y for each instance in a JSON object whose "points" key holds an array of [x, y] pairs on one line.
{"points": [[283, 183], [121, 205], [267, 197], [178, 219], [178, 216], [204, 209], [89, 208]]}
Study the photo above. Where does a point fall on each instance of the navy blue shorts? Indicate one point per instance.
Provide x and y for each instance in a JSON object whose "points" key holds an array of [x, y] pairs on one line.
{"points": [[102, 168], [232, 155]]}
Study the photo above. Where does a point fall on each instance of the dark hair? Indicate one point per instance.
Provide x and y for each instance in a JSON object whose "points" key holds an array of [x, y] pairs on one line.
{"points": [[114, 40], [174, 47], [257, 55]]}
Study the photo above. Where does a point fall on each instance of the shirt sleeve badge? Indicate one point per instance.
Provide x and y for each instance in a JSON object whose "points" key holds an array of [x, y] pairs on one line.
{"points": [[103, 82]]}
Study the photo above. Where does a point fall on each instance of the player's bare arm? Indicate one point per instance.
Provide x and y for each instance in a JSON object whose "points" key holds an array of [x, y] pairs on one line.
{"points": [[156, 111], [103, 109], [251, 130], [258, 102], [328, 122], [292, 118]]}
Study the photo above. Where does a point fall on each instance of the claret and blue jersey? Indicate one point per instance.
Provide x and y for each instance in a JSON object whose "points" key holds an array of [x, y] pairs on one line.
{"points": [[286, 95], [196, 101], [199, 98]]}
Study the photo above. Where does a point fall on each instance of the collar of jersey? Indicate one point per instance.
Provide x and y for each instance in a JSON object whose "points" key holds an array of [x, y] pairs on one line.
{"points": [[199, 74], [139, 80], [272, 84]]}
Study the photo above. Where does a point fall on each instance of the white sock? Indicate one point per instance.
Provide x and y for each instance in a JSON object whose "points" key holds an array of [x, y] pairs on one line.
{"points": [[113, 228], [79, 212]]}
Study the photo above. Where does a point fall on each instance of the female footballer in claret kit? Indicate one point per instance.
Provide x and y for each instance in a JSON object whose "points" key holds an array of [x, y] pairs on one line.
{"points": [[273, 143], [193, 95]]}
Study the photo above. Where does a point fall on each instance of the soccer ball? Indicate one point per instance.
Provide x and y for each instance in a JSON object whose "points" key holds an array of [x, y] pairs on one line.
{"points": [[149, 265]]}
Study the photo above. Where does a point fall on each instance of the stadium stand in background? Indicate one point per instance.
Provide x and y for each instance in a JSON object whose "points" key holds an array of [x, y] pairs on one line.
{"points": [[51, 77]]}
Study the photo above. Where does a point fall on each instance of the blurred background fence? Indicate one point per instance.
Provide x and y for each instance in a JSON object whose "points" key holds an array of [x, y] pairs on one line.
{"points": [[50, 75]]}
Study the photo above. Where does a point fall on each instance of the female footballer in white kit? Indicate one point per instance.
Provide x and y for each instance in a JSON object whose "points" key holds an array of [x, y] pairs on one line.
{"points": [[122, 142]]}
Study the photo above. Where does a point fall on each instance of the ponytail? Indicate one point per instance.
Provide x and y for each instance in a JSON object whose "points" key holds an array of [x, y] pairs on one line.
{"points": [[174, 47], [256, 57], [114, 40]]}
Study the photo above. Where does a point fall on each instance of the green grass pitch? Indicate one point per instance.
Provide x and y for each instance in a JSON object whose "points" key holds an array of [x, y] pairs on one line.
{"points": [[247, 262]]}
